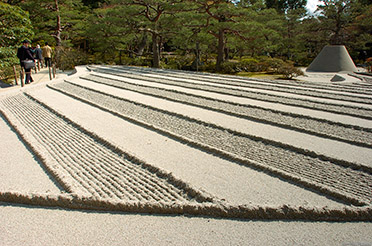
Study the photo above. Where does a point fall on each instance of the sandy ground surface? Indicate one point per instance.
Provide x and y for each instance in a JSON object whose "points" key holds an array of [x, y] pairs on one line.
{"points": [[45, 226], [187, 149]]}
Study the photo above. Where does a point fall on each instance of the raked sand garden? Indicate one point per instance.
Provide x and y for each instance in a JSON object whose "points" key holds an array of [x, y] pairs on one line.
{"points": [[115, 155]]}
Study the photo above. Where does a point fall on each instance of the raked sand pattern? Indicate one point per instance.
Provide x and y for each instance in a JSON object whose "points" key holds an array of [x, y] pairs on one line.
{"points": [[97, 174]]}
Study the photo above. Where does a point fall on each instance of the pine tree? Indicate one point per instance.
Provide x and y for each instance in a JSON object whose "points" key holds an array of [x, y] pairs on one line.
{"points": [[15, 25], [155, 18], [55, 20]]}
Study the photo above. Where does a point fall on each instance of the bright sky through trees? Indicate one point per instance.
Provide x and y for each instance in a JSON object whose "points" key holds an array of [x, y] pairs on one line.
{"points": [[312, 5]]}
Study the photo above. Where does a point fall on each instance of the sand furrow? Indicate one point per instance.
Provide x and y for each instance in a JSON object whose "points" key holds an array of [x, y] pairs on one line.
{"points": [[337, 131], [342, 109], [112, 168], [346, 96], [105, 174], [354, 93], [21, 105], [38, 127], [302, 166], [335, 92], [355, 88], [264, 212]]}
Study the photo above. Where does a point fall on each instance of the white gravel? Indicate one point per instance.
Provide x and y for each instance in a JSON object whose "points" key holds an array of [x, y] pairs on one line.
{"points": [[190, 168]]}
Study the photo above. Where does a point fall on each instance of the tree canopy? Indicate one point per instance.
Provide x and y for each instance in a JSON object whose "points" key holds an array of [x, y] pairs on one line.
{"points": [[15, 26], [148, 32]]}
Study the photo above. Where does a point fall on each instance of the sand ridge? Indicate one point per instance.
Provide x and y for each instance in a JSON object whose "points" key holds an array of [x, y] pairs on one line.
{"points": [[98, 170]]}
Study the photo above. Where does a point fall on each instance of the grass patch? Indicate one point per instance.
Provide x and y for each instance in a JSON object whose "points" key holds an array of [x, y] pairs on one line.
{"points": [[260, 75]]}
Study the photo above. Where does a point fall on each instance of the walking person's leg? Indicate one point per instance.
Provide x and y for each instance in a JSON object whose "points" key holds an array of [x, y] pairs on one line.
{"points": [[28, 75], [31, 79], [38, 64]]}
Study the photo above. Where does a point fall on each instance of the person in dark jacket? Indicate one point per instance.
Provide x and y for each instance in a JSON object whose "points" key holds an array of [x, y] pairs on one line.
{"points": [[38, 54], [25, 53]]}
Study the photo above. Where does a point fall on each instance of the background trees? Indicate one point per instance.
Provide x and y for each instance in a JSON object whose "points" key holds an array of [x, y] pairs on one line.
{"points": [[182, 34], [55, 21], [338, 21], [15, 26]]}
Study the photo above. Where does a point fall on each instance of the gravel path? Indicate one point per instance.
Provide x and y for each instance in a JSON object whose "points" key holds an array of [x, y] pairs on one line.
{"points": [[84, 164], [324, 128], [336, 178]]}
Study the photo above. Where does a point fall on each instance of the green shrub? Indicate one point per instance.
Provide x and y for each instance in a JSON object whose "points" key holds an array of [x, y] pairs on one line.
{"points": [[229, 68], [262, 64], [208, 67], [68, 58], [274, 64], [249, 65], [8, 58], [178, 62], [368, 63], [141, 61], [6, 74], [289, 71]]}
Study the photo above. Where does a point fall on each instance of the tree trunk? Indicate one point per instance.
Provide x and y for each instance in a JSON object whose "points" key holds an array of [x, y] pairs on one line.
{"points": [[58, 27], [197, 51], [221, 48], [142, 45], [155, 51], [226, 52]]}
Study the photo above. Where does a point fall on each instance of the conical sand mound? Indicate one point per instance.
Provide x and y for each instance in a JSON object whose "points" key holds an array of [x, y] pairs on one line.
{"points": [[332, 58]]}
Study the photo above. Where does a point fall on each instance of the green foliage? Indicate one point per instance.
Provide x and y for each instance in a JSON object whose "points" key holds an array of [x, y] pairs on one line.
{"points": [[68, 58], [262, 64], [155, 18], [7, 60], [178, 62], [94, 3], [274, 64], [336, 16], [15, 25], [368, 63], [8, 57], [138, 61], [283, 6], [229, 67], [289, 71], [6, 74], [107, 33], [249, 65], [233, 35], [44, 13]]}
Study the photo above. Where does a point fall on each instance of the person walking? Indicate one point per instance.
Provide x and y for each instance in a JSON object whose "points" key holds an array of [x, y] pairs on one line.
{"points": [[47, 54], [24, 53], [38, 53]]}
